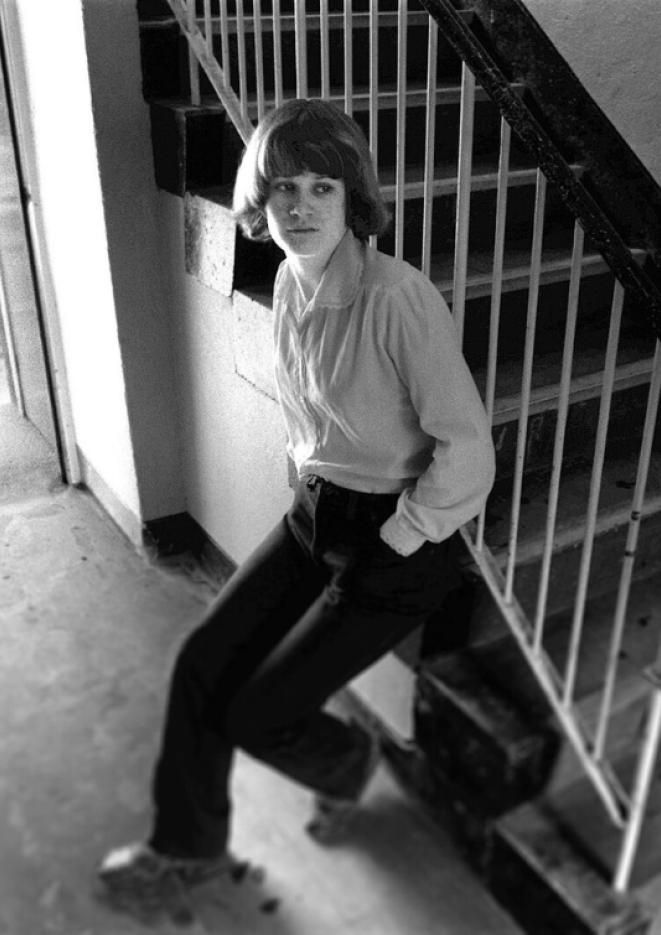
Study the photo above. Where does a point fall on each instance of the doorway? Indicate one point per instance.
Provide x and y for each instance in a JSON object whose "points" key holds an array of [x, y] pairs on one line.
{"points": [[27, 415]]}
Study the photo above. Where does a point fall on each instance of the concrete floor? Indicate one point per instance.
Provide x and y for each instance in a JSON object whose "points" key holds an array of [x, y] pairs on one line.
{"points": [[89, 630]]}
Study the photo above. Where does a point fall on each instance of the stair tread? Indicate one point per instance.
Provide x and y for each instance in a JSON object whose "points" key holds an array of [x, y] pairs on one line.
{"points": [[634, 365], [541, 842], [501, 660], [618, 477]]}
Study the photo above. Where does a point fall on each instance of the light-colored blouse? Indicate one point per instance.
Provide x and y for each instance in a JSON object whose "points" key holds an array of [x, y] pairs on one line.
{"points": [[377, 396]]}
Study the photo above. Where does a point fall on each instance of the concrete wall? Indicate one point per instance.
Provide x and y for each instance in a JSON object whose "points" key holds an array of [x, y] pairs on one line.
{"points": [[234, 460], [613, 48]]}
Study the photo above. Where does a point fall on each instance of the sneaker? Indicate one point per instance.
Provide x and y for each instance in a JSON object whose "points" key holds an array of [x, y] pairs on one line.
{"points": [[138, 868], [331, 816]]}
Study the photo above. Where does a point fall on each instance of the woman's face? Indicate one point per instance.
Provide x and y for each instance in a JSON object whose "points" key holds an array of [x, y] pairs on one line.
{"points": [[306, 215]]}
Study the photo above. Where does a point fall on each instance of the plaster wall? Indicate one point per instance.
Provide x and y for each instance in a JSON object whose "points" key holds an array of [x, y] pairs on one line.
{"points": [[613, 48], [53, 96], [234, 460]]}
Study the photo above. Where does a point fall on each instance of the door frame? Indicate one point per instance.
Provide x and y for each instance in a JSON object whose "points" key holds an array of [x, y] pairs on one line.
{"points": [[46, 306]]}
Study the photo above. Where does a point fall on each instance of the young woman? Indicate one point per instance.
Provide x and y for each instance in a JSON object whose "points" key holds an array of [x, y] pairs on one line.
{"points": [[393, 453]]}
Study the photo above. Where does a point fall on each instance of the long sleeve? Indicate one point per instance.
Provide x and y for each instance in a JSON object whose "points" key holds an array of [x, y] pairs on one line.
{"points": [[424, 348]]}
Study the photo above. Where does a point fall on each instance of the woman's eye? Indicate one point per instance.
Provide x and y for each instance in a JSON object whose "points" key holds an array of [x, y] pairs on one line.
{"points": [[324, 188]]}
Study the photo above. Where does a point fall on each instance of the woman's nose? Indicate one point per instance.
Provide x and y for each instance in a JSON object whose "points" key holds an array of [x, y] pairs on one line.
{"points": [[298, 206]]}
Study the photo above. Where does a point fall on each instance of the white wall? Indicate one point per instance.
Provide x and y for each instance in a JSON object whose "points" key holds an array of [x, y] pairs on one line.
{"points": [[52, 89], [613, 48], [130, 196]]}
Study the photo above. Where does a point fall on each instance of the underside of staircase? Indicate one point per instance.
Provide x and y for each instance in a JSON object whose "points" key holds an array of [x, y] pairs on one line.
{"points": [[485, 752]]}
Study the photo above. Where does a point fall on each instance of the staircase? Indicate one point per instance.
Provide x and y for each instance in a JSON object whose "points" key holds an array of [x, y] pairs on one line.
{"points": [[512, 741]]}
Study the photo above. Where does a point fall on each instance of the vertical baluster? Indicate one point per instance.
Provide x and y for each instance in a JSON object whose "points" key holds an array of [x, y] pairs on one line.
{"points": [[619, 620], [430, 142], [193, 69], [526, 382], [224, 42], [374, 88], [595, 489], [401, 128], [644, 777], [348, 57], [464, 172], [560, 429], [325, 52], [496, 290], [243, 68], [301, 50], [259, 57], [277, 53], [374, 80], [208, 26]]}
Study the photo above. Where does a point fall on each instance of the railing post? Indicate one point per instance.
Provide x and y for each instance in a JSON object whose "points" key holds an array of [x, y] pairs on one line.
{"points": [[193, 69], [301, 43], [400, 170], [641, 789], [464, 173]]}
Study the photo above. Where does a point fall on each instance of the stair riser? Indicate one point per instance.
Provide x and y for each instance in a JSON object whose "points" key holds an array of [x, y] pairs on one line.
{"points": [[482, 219], [477, 741], [628, 408]]}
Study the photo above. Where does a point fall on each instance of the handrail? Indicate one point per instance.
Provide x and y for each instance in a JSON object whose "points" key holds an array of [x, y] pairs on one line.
{"points": [[594, 221]]}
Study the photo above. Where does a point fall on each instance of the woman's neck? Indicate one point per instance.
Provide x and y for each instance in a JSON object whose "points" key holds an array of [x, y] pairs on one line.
{"points": [[308, 273]]}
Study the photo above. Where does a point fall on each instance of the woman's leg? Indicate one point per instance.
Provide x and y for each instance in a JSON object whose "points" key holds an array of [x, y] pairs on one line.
{"points": [[372, 599], [261, 601]]}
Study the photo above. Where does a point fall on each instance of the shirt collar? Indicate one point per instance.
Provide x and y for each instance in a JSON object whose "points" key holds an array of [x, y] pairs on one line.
{"points": [[342, 276]]}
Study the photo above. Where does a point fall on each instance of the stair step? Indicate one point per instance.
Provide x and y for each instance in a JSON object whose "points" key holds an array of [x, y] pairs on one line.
{"points": [[484, 177], [549, 887], [501, 663], [556, 267], [614, 507], [360, 19], [476, 738], [416, 96], [634, 369], [577, 810]]}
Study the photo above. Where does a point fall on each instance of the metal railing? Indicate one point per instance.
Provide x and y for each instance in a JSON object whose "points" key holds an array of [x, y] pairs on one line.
{"points": [[230, 50]]}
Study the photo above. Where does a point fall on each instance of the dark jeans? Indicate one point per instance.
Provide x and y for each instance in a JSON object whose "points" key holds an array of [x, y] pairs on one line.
{"points": [[320, 600]]}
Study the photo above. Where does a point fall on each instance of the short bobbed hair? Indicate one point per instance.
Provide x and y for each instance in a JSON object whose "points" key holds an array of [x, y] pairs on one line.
{"points": [[308, 136]]}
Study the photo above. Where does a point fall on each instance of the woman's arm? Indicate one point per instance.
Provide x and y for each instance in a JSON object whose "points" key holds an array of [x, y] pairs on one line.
{"points": [[423, 345]]}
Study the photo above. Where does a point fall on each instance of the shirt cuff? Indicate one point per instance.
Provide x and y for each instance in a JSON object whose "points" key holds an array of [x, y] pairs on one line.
{"points": [[402, 539]]}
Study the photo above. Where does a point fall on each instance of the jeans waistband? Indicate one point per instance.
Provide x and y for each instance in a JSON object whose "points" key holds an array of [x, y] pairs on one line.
{"points": [[316, 481]]}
